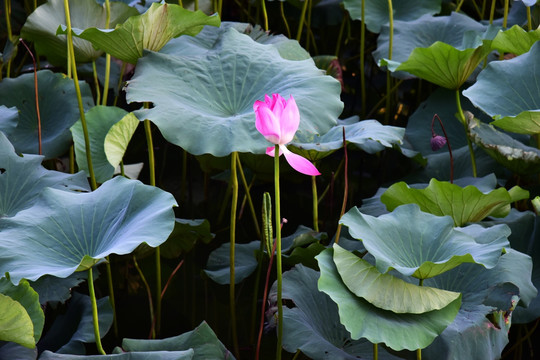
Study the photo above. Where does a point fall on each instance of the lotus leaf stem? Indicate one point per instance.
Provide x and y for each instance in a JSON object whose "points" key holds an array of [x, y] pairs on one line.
{"points": [[107, 56], [345, 190], [150, 302], [302, 19], [111, 295], [232, 232], [362, 58], [248, 197], [388, 77], [467, 132], [375, 351], [265, 15], [282, 11], [95, 317], [96, 82], [36, 93], [7, 10]]}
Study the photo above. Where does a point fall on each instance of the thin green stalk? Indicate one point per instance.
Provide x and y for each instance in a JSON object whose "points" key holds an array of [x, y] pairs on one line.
{"points": [[111, 295], [71, 160], [180, 3], [309, 34], [248, 196], [278, 255], [96, 82], [529, 19], [362, 59], [95, 317], [232, 229], [183, 182], [149, 293], [345, 190], [340, 36], [315, 203], [458, 7], [107, 56], [505, 16], [7, 10], [265, 15], [71, 56], [282, 11], [492, 11], [297, 354], [219, 5], [483, 10], [375, 351], [394, 88], [120, 81], [196, 5], [388, 77], [255, 298], [336, 174], [152, 166], [301, 22], [466, 126]]}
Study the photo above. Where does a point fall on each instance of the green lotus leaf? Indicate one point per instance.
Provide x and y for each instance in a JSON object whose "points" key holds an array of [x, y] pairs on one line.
{"points": [[202, 340], [460, 33], [464, 205], [507, 151], [149, 31], [245, 262], [473, 334], [100, 123], [205, 104], [144, 355], [377, 12], [41, 26], [424, 245], [386, 291], [72, 329], [508, 91], [8, 119], [11, 350], [22, 178], [62, 229], [58, 109], [363, 320], [515, 40], [29, 299], [313, 325], [118, 137], [53, 289], [368, 135], [15, 323]]}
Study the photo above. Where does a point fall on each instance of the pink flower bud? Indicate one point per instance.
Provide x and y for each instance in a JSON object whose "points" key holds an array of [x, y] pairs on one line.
{"points": [[437, 142]]}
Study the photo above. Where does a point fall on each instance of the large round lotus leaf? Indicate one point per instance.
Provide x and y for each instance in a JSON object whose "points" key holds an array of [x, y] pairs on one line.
{"points": [[386, 291], [8, 119], [313, 325], [58, 108], [363, 320], [515, 40], [100, 120], [205, 104], [377, 11], [41, 26], [205, 40], [29, 299], [64, 232], [507, 151], [71, 329], [15, 323], [22, 178], [202, 340], [508, 90], [464, 205], [423, 245], [149, 31], [144, 355], [474, 335], [368, 135]]}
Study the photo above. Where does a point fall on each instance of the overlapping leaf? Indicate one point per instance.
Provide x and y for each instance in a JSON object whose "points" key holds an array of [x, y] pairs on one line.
{"points": [[149, 31], [58, 108], [515, 40], [508, 91], [41, 25], [65, 232], [205, 105], [424, 245], [22, 178], [464, 205], [363, 320]]}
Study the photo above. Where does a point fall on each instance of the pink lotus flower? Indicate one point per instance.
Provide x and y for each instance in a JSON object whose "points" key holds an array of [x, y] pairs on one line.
{"points": [[277, 120]]}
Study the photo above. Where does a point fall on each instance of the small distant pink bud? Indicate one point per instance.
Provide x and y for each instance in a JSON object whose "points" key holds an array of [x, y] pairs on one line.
{"points": [[437, 142]]}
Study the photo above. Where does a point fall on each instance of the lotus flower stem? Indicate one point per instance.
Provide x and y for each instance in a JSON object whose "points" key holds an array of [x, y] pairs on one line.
{"points": [[278, 255], [466, 126], [36, 92], [71, 61], [248, 196], [315, 203], [345, 190], [95, 317], [282, 11], [7, 10], [447, 140], [301, 22], [232, 229], [152, 166]]}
